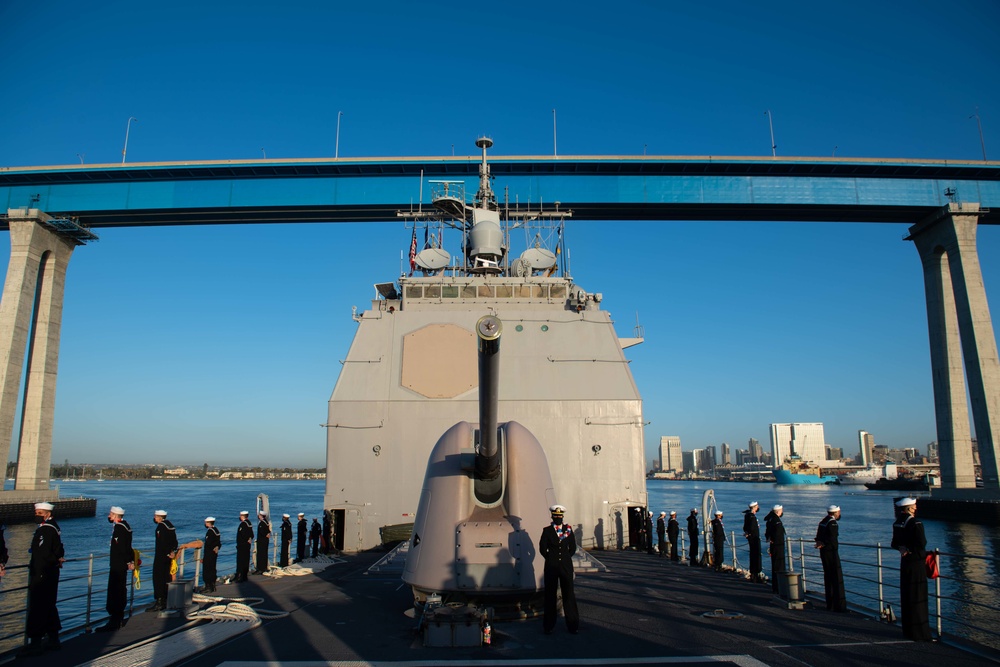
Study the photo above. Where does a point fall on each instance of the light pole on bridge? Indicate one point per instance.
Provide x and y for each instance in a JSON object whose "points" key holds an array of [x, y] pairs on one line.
{"points": [[980, 124], [128, 125], [774, 147], [336, 149]]}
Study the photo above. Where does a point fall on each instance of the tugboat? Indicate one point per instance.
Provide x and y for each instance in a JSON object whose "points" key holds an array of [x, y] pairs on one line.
{"points": [[411, 372]]}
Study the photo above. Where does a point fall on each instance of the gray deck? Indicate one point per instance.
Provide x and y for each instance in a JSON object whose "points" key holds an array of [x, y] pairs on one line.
{"points": [[643, 610]]}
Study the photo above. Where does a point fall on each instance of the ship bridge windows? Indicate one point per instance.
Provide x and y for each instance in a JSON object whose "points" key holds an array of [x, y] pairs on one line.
{"points": [[473, 291]]}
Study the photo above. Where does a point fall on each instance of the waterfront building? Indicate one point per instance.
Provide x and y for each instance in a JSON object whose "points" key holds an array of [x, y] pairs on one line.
{"points": [[755, 450], [803, 439], [866, 442], [725, 454], [670, 453]]}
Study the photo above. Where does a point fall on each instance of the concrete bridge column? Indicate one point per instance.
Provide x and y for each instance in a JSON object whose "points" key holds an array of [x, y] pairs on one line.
{"points": [[30, 319], [960, 327]]}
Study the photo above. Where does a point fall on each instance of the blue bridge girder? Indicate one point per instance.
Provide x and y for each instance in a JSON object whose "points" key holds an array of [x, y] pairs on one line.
{"points": [[594, 188]]}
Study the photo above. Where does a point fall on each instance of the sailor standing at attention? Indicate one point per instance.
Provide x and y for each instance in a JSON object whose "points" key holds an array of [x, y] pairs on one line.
{"points": [[244, 538], [314, 534], [121, 561], [774, 533], [263, 543], [751, 531], [828, 543], [164, 552], [213, 542], [718, 540], [661, 533], [286, 539], [908, 538], [557, 546], [47, 556], [300, 544], [693, 536], [673, 528]]}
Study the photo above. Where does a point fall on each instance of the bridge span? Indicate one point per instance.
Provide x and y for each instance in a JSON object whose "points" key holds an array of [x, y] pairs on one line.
{"points": [[594, 187], [53, 209]]}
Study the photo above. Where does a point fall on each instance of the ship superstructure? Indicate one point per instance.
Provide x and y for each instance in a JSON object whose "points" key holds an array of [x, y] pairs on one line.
{"points": [[411, 372]]}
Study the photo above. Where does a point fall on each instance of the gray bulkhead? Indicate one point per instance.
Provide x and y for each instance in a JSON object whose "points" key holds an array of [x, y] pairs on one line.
{"points": [[411, 374]]}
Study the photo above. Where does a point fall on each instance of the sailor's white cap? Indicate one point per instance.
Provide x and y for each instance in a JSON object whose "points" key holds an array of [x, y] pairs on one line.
{"points": [[302, 513], [752, 505], [650, 514], [160, 513], [664, 513], [777, 507], [672, 513], [557, 509], [48, 507], [718, 512], [906, 502], [264, 514], [833, 508], [244, 513], [285, 516], [117, 510], [694, 509], [209, 519]]}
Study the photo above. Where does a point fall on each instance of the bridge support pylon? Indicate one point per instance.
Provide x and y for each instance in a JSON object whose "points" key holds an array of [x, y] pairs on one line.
{"points": [[30, 319], [960, 328]]}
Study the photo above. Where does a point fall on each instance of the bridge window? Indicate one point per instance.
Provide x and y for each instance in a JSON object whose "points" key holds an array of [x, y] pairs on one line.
{"points": [[449, 291], [414, 292], [432, 292], [485, 291], [504, 291]]}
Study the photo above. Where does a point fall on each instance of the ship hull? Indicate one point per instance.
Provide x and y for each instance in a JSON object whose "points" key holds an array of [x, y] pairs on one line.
{"points": [[782, 476]]}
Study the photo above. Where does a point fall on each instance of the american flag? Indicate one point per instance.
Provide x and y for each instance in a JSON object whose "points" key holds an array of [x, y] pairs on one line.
{"points": [[413, 251]]}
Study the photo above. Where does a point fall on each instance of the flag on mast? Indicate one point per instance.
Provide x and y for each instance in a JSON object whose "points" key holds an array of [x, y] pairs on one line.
{"points": [[413, 251]]}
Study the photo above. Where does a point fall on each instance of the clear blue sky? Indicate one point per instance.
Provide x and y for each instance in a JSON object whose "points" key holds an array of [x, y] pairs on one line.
{"points": [[221, 344]]}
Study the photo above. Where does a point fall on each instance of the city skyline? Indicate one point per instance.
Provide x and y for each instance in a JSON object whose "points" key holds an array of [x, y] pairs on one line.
{"points": [[228, 339]]}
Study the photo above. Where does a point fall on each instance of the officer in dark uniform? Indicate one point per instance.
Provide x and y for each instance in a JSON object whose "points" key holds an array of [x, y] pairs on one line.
{"points": [[718, 540], [210, 557], [165, 551], [557, 546], [774, 533], [47, 556], [661, 533], [693, 534], [751, 531], [673, 528], [263, 543], [286, 539], [828, 543], [314, 532], [303, 535], [908, 538], [244, 538], [648, 517], [121, 562], [327, 533]]}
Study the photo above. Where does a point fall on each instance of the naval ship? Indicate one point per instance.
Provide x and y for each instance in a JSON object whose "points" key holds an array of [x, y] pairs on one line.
{"points": [[411, 371]]}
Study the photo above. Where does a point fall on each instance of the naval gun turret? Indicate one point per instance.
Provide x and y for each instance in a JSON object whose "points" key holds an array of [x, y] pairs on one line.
{"points": [[483, 505]]}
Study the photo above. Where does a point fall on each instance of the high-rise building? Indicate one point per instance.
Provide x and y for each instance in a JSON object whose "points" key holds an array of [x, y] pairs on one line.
{"points": [[710, 459], [689, 462], [866, 442], [725, 454], [803, 439], [755, 450], [670, 453]]}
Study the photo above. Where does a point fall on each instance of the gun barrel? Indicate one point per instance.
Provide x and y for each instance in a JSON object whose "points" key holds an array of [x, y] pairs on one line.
{"points": [[488, 330]]}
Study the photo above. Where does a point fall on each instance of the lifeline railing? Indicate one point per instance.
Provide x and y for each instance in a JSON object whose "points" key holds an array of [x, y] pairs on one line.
{"points": [[79, 585], [871, 584], [873, 578]]}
